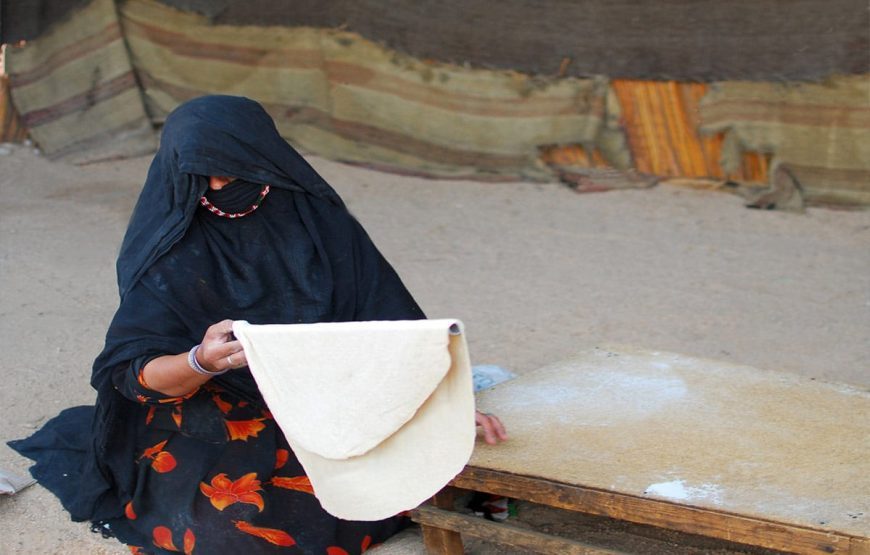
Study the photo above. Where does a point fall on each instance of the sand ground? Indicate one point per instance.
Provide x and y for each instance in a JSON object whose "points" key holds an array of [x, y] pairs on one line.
{"points": [[537, 272]]}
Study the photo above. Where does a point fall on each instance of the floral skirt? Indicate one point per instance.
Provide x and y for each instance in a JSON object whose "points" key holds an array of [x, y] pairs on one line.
{"points": [[246, 494]]}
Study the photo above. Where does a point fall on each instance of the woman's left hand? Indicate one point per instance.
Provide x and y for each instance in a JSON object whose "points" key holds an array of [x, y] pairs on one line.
{"points": [[493, 429]]}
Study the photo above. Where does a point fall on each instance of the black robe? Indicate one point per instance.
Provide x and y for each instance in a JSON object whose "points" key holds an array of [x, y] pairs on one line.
{"points": [[301, 257]]}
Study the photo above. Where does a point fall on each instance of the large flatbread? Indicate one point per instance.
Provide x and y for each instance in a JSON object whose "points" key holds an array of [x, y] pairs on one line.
{"points": [[379, 414]]}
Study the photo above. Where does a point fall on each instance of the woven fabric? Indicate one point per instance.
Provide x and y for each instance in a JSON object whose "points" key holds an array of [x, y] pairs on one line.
{"points": [[341, 96], [819, 132], [76, 92]]}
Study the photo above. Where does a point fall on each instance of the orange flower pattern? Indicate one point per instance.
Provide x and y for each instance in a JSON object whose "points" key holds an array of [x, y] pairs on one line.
{"points": [[222, 405], [272, 535], [245, 505], [153, 395], [176, 415], [223, 492], [140, 377], [243, 429], [161, 461], [178, 400], [189, 542], [299, 483], [163, 538], [281, 456]]}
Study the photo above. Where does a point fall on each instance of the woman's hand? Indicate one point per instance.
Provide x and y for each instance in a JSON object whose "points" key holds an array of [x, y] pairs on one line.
{"points": [[172, 375], [218, 350], [493, 429]]}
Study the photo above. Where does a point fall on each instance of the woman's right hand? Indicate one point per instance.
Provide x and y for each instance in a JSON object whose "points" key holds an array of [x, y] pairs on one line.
{"points": [[219, 350]]}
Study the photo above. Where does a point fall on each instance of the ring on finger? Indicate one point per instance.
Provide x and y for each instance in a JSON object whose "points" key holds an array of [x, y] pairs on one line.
{"points": [[230, 360]]}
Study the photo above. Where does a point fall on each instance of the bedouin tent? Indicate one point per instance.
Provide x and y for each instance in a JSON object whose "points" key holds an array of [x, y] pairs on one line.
{"points": [[469, 89]]}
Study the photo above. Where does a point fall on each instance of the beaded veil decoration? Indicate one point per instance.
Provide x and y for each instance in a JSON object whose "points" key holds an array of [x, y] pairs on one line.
{"points": [[232, 215]]}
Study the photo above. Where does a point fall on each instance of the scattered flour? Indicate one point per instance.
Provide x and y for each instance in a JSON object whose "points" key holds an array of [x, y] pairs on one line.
{"points": [[678, 490], [602, 397]]}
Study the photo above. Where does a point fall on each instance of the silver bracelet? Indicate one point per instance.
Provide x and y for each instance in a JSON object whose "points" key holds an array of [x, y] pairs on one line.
{"points": [[196, 367]]}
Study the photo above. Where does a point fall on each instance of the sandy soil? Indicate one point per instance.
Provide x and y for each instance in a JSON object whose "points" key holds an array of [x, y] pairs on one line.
{"points": [[537, 272]]}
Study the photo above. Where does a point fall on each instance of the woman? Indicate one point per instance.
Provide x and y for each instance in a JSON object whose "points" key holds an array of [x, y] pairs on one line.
{"points": [[231, 224]]}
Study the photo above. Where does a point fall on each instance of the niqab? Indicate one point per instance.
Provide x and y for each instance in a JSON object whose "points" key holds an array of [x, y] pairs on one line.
{"points": [[208, 136]]}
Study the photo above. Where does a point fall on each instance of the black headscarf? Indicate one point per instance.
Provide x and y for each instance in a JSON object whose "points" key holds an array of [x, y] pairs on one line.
{"points": [[300, 258], [212, 135]]}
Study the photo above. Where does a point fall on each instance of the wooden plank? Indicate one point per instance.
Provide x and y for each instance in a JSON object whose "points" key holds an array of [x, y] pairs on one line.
{"points": [[860, 546], [442, 540], [502, 533], [664, 514]]}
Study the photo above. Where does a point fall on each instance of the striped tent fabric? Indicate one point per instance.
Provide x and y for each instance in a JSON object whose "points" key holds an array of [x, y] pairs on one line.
{"points": [[344, 97], [661, 122], [76, 92], [820, 132], [94, 84]]}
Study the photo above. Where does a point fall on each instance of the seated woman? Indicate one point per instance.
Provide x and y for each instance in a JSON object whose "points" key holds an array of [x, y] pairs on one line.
{"points": [[232, 224]]}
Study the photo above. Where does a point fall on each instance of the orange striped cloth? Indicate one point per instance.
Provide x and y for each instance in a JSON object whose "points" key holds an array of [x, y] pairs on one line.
{"points": [[744, 131], [661, 122], [11, 130]]}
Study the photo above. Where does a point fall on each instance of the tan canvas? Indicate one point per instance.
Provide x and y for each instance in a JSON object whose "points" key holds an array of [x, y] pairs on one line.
{"points": [[819, 131]]}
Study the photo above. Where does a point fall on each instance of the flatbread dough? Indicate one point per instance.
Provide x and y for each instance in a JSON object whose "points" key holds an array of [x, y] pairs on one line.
{"points": [[380, 414]]}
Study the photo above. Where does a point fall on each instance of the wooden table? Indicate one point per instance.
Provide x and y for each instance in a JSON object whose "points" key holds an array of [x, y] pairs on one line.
{"points": [[704, 447]]}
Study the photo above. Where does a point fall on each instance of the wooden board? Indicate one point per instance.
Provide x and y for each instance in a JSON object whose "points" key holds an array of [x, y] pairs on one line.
{"points": [[436, 520], [669, 515], [689, 433]]}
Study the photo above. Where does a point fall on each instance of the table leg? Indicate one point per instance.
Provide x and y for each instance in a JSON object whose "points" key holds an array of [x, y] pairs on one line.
{"points": [[437, 540]]}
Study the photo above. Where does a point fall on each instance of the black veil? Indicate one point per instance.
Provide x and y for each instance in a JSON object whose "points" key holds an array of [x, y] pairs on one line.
{"points": [[210, 135]]}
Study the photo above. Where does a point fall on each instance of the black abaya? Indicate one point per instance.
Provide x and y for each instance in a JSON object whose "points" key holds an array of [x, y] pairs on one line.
{"points": [[203, 470]]}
